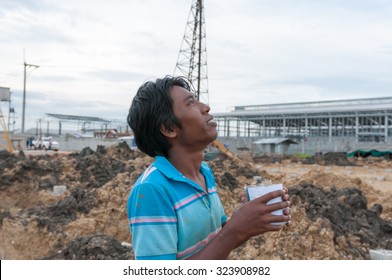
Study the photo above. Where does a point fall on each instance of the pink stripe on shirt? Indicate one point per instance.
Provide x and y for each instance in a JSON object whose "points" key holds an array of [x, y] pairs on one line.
{"points": [[153, 220], [195, 247], [188, 200]]}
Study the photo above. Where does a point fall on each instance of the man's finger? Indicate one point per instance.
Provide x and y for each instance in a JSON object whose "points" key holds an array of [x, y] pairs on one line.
{"points": [[277, 206], [271, 195]]}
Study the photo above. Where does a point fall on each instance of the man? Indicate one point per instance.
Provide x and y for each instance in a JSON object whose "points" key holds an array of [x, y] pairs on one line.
{"points": [[174, 209]]}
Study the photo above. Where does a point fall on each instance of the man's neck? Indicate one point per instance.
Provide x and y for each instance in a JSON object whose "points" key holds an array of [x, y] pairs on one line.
{"points": [[187, 163]]}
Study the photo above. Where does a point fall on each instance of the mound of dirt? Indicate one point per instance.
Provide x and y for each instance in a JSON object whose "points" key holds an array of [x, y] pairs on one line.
{"points": [[97, 247], [98, 168], [334, 217], [64, 211], [339, 159], [347, 212], [327, 224], [331, 158]]}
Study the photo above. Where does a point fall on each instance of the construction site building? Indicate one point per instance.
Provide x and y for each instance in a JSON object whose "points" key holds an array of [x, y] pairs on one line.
{"points": [[323, 126]]}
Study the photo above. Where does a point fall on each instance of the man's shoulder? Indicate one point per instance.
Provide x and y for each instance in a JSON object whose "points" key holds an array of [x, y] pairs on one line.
{"points": [[157, 175], [150, 176]]}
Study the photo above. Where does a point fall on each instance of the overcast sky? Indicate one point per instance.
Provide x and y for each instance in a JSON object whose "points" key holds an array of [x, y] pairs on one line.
{"points": [[94, 54]]}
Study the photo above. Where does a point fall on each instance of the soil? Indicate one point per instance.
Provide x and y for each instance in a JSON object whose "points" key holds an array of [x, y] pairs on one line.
{"points": [[341, 207]]}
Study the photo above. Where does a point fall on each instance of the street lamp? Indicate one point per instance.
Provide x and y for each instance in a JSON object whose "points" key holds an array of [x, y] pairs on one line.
{"points": [[24, 94]]}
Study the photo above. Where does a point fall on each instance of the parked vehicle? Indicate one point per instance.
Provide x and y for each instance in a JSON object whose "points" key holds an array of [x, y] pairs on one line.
{"points": [[46, 143], [130, 140]]}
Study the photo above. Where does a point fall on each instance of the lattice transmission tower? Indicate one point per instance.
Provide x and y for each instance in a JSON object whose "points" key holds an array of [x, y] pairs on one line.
{"points": [[192, 58]]}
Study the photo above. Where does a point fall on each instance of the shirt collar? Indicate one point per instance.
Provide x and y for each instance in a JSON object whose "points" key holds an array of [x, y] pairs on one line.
{"points": [[167, 168], [170, 171]]}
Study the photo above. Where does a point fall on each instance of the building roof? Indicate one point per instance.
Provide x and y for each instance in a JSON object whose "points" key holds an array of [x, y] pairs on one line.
{"points": [[77, 118], [274, 141], [333, 106]]}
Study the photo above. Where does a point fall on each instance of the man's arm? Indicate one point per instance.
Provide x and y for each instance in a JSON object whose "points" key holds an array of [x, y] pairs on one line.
{"points": [[252, 219]]}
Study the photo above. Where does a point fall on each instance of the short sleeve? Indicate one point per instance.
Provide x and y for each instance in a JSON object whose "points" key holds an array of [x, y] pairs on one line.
{"points": [[153, 223]]}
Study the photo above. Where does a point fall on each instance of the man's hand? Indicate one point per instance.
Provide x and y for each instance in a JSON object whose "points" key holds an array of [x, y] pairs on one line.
{"points": [[254, 217]]}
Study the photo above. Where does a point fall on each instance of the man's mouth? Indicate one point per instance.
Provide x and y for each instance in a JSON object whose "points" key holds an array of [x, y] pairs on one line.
{"points": [[211, 121]]}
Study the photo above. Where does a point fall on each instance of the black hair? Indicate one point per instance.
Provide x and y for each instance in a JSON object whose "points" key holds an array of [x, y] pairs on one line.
{"points": [[152, 107]]}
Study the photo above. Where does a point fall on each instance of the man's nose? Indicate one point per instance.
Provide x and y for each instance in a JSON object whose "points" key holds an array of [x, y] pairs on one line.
{"points": [[204, 107]]}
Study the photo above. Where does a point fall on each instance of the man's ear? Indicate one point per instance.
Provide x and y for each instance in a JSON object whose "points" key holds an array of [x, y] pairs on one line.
{"points": [[168, 132]]}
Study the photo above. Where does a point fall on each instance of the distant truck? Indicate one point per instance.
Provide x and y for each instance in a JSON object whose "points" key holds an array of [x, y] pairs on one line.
{"points": [[46, 143], [130, 140]]}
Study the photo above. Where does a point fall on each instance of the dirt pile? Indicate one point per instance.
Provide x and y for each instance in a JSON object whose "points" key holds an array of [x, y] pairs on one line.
{"points": [[333, 217], [97, 247], [339, 159], [327, 224], [331, 158]]}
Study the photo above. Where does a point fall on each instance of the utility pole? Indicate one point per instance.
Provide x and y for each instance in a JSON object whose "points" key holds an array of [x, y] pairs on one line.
{"points": [[10, 110], [24, 94]]}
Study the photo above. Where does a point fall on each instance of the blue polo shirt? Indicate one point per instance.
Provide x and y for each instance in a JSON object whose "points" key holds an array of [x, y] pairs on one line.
{"points": [[170, 216]]}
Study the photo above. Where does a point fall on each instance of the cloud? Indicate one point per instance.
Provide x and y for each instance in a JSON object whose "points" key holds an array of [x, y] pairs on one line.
{"points": [[116, 75], [92, 60]]}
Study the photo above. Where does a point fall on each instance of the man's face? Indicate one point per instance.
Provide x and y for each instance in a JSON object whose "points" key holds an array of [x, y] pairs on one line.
{"points": [[197, 125]]}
